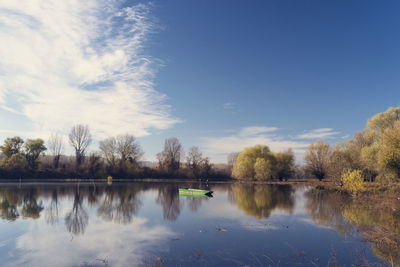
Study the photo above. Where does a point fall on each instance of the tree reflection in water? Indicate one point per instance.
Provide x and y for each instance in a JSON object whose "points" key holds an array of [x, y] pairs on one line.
{"points": [[15, 202], [8, 211], [325, 207], [51, 213], [120, 204], [77, 219], [93, 195], [377, 224], [259, 200], [31, 208], [194, 203], [168, 198]]}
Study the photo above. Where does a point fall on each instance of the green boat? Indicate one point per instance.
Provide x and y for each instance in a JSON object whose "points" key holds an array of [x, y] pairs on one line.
{"points": [[198, 192], [194, 195]]}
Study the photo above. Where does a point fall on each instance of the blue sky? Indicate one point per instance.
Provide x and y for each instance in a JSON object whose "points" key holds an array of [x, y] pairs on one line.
{"points": [[221, 75]]}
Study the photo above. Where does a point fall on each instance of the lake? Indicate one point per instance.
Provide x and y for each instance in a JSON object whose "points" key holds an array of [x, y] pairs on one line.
{"points": [[149, 224]]}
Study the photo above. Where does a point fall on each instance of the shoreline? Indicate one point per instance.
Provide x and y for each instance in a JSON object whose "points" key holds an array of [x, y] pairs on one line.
{"points": [[370, 188]]}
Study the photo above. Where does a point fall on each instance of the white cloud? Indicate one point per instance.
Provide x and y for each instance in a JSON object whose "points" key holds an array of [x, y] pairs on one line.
{"points": [[40, 244], [69, 62], [217, 148], [318, 134]]}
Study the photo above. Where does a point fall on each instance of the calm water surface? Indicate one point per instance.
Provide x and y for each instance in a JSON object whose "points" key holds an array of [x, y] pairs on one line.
{"points": [[149, 224]]}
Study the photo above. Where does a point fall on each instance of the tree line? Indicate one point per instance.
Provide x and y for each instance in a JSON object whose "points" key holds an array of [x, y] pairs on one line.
{"points": [[118, 156], [373, 154]]}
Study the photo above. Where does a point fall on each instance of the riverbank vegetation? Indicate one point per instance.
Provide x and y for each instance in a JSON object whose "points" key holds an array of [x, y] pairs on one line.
{"points": [[119, 157], [372, 156], [369, 161]]}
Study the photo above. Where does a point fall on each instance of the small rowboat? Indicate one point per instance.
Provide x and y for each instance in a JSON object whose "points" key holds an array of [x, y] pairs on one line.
{"points": [[190, 191], [194, 195]]}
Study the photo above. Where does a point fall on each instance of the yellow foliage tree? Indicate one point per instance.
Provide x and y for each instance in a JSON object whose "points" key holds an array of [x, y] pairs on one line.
{"points": [[353, 181], [247, 167], [389, 153], [262, 169], [381, 121]]}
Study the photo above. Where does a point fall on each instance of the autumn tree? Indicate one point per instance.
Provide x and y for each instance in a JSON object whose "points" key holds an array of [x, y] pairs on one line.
{"points": [[55, 146], [33, 149], [371, 151], [262, 169], [381, 121], [80, 139], [244, 167], [316, 159], [376, 127], [389, 153], [169, 159]]}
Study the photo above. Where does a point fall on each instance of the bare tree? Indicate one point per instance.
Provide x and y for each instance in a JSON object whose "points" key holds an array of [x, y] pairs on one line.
{"points": [[316, 159], [168, 198], [109, 149], [128, 149], [169, 159], [194, 157], [51, 214], [80, 139], [77, 219], [55, 145], [232, 159], [197, 163]]}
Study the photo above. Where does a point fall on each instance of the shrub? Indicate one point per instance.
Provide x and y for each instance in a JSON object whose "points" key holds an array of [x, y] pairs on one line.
{"points": [[353, 181], [386, 178]]}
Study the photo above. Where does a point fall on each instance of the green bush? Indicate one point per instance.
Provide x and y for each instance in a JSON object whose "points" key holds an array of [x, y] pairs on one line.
{"points": [[353, 181]]}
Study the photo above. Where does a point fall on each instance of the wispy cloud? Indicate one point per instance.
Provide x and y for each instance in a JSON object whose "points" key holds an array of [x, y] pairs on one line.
{"points": [[256, 130], [229, 105], [318, 133], [218, 147], [68, 62]]}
